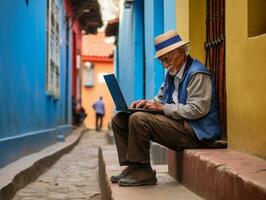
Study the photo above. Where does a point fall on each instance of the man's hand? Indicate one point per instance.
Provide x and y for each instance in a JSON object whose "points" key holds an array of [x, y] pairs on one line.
{"points": [[150, 105], [138, 104]]}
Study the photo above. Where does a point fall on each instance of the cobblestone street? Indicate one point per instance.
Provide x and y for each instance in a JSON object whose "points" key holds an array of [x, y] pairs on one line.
{"points": [[73, 176]]}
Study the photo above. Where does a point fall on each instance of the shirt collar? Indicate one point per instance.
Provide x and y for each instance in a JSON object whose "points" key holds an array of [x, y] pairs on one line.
{"points": [[179, 75]]}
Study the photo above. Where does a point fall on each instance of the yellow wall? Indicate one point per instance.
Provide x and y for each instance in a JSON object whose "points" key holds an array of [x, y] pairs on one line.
{"points": [[182, 18], [197, 30], [245, 68], [91, 94], [246, 79], [256, 12], [190, 24]]}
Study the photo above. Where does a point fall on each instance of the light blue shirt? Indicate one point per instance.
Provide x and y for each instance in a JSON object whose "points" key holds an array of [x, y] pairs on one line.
{"points": [[98, 106]]}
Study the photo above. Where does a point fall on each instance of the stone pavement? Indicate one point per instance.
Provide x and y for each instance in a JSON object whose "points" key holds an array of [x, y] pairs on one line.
{"points": [[73, 176]]}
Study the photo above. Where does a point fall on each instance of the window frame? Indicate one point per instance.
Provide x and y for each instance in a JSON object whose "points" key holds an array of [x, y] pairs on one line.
{"points": [[53, 49]]}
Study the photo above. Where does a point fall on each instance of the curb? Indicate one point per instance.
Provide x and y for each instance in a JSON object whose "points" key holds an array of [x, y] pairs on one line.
{"points": [[104, 184], [20, 173]]}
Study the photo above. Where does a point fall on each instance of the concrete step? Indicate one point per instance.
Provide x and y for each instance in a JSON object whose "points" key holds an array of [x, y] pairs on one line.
{"points": [[166, 189], [220, 173]]}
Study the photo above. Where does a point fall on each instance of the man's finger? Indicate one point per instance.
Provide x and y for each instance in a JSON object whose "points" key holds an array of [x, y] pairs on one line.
{"points": [[148, 105], [141, 104], [134, 103]]}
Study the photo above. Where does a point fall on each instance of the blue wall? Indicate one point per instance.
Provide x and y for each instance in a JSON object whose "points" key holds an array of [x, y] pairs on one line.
{"points": [[154, 25], [169, 15], [29, 118], [140, 76], [130, 64], [125, 55]]}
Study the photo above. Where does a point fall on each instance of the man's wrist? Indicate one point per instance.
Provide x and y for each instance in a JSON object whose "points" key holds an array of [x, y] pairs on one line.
{"points": [[167, 110]]}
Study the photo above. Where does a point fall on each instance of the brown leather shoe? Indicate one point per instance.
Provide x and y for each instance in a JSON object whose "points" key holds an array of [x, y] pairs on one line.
{"points": [[141, 175], [123, 174]]}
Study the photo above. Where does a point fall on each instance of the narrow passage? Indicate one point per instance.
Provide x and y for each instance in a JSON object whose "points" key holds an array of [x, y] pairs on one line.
{"points": [[73, 176]]}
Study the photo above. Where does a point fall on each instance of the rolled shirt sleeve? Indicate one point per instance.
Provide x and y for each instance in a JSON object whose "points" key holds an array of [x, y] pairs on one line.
{"points": [[159, 97], [198, 102]]}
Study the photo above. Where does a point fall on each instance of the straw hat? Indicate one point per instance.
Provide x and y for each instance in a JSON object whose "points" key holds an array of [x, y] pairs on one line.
{"points": [[167, 42]]}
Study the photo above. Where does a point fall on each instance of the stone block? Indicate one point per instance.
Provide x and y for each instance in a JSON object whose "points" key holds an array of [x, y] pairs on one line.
{"points": [[158, 154], [219, 173]]}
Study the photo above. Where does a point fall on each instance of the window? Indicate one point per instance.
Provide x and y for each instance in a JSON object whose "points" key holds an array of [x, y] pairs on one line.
{"points": [[256, 17], [53, 49], [88, 74]]}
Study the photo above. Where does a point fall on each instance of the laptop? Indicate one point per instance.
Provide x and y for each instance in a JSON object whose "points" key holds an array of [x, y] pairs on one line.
{"points": [[118, 97]]}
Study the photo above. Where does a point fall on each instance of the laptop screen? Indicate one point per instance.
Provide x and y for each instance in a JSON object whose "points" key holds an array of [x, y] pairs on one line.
{"points": [[116, 92]]}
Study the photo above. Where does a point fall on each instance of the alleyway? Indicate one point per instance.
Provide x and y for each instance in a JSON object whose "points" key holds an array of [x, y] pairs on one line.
{"points": [[73, 176]]}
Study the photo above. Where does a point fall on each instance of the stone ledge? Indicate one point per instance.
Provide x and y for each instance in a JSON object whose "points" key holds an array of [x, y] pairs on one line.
{"points": [[167, 188], [158, 154], [27, 169], [110, 136], [219, 173]]}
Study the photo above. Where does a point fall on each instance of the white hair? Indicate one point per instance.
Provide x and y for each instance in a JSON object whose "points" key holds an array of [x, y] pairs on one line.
{"points": [[186, 48]]}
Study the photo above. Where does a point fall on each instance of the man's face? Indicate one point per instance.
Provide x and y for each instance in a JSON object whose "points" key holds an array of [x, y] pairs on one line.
{"points": [[173, 61]]}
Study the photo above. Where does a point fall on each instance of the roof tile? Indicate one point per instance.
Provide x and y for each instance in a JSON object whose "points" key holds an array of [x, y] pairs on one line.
{"points": [[94, 45]]}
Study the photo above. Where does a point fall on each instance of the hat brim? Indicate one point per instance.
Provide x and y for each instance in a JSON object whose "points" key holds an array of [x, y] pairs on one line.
{"points": [[169, 48]]}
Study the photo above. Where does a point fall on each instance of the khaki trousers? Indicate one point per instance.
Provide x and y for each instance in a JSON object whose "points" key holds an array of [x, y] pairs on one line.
{"points": [[133, 133]]}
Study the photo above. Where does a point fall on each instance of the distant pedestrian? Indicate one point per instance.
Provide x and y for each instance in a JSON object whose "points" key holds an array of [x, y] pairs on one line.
{"points": [[78, 112], [81, 115], [99, 108]]}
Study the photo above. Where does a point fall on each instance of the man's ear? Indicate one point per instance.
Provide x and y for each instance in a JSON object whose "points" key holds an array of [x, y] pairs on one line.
{"points": [[181, 50]]}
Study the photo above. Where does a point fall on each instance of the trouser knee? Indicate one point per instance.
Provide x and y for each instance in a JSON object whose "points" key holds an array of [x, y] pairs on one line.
{"points": [[139, 119], [115, 121]]}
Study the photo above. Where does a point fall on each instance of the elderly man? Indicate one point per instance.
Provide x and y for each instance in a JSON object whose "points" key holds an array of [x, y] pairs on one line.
{"points": [[186, 101]]}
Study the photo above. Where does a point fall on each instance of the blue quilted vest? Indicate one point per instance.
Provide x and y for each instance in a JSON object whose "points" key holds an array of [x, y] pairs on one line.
{"points": [[207, 127]]}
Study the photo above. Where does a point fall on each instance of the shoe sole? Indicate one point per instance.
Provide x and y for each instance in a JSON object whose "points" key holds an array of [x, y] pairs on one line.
{"points": [[137, 184], [114, 181]]}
